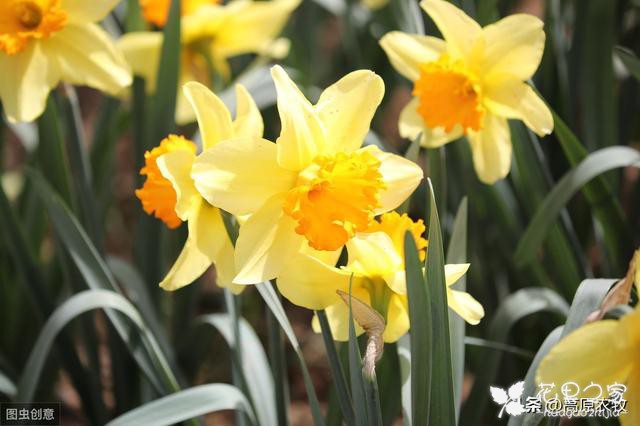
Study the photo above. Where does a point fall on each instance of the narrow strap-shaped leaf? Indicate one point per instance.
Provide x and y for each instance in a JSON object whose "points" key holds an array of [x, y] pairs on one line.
{"points": [[404, 356], [255, 366], [442, 411], [516, 306], [186, 404], [7, 387], [76, 305], [457, 253], [360, 405], [592, 166], [629, 59], [98, 276], [421, 333], [337, 373], [270, 297]]}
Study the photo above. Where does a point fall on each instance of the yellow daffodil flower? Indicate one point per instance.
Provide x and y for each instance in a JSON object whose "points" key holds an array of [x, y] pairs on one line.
{"points": [[376, 262], [210, 33], [604, 353], [43, 42], [316, 187], [169, 191], [470, 83]]}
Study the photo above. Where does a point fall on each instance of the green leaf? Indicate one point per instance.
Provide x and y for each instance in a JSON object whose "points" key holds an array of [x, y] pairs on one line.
{"points": [[587, 299], [530, 379], [97, 276], [255, 366], [605, 205], [484, 343], [421, 333], [163, 107], [270, 297], [516, 306], [404, 357], [442, 411], [457, 253], [7, 387], [51, 152], [360, 405], [594, 165], [629, 59], [337, 373], [186, 404], [76, 305]]}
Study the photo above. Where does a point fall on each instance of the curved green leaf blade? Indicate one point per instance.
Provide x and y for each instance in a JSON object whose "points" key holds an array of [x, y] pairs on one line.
{"points": [[185, 405], [76, 305], [255, 366], [516, 306], [594, 165], [270, 297], [7, 387]]}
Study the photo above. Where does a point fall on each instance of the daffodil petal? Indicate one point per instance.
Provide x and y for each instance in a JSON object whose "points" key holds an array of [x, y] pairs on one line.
{"points": [[397, 322], [491, 149], [240, 175], [518, 100], [309, 283], [176, 167], [465, 305], [82, 12], [142, 51], [586, 356], [513, 46], [252, 28], [400, 176], [206, 237], [26, 81], [87, 56], [248, 122], [459, 30], [338, 317], [453, 272], [191, 263], [407, 52], [266, 243], [373, 255], [214, 119], [302, 136], [632, 417], [346, 109], [226, 268]]}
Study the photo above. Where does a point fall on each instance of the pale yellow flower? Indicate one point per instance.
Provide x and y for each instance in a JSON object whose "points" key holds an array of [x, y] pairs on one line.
{"points": [[377, 275], [216, 33], [170, 191], [313, 189], [471, 82], [157, 11], [43, 42]]}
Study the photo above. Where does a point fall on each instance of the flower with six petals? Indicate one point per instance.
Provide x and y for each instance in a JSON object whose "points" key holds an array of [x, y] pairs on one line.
{"points": [[470, 83], [316, 187]]}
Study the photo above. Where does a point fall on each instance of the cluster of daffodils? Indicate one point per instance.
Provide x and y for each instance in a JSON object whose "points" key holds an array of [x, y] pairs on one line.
{"points": [[299, 201], [211, 34]]}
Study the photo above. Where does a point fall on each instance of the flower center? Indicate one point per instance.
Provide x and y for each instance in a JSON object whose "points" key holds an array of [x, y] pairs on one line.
{"points": [[395, 225], [157, 194], [335, 197], [22, 20], [157, 11], [448, 96]]}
